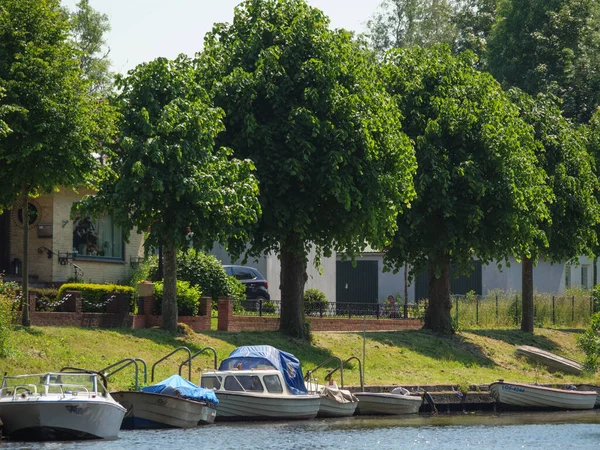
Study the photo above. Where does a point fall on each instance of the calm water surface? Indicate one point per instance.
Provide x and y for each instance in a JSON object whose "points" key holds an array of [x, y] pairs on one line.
{"points": [[506, 431]]}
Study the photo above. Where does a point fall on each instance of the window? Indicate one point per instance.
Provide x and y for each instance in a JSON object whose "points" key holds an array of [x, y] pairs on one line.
{"points": [[243, 273], [273, 384], [97, 238], [584, 277], [243, 383], [210, 382]]}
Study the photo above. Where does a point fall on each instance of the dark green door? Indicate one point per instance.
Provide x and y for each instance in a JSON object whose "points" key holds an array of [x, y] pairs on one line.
{"points": [[458, 286], [358, 284]]}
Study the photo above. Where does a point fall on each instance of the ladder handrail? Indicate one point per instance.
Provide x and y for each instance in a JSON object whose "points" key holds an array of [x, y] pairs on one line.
{"points": [[122, 365], [310, 372], [199, 352], [360, 372], [173, 352], [145, 368]]}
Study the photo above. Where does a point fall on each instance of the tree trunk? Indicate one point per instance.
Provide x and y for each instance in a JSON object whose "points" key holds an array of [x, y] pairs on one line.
{"points": [[437, 316], [293, 279], [25, 318], [527, 295], [169, 302]]}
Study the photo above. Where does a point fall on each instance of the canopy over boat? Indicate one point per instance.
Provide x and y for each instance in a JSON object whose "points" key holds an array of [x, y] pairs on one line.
{"points": [[265, 356], [180, 387]]}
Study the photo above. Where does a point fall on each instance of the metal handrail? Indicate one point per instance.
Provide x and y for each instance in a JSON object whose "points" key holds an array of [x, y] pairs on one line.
{"points": [[360, 372], [145, 368], [173, 352], [199, 352], [122, 365], [328, 376]]}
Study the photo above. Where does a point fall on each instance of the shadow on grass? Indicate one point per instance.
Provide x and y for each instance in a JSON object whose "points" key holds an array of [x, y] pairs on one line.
{"points": [[29, 330], [435, 346], [518, 337]]}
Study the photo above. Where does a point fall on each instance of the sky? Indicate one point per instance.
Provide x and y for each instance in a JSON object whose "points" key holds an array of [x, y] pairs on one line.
{"points": [[142, 30]]}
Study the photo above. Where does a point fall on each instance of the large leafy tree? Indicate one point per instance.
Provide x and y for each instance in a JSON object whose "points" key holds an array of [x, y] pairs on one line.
{"points": [[407, 23], [55, 123], [479, 192], [305, 104], [592, 133], [550, 46], [88, 30], [569, 169], [167, 175], [474, 20]]}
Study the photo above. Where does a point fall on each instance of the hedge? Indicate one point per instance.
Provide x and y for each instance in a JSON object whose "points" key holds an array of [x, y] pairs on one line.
{"points": [[94, 296]]}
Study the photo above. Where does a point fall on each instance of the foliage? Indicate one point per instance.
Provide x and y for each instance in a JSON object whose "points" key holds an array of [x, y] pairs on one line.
{"points": [[167, 175], [203, 270], [144, 271], [188, 298], [88, 30], [550, 46], [8, 313], [589, 343], [45, 297], [474, 20], [409, 23], [305, 104], [314, 301], [95, 296], [479, 190]]}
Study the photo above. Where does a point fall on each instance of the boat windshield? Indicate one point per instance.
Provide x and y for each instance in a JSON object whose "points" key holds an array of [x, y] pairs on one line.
{"points": [[52, 383], [250, 383], [210, 382]]}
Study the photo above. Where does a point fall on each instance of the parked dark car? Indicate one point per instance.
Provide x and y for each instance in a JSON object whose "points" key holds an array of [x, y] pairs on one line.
{"points": [[257, 287]]}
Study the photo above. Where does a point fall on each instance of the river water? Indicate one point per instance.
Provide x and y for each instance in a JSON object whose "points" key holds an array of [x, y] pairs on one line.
{"points": [[506, 431]]}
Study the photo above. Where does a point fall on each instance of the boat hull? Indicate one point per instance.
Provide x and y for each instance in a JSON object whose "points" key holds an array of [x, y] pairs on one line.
{"points": [[540, 397], [333, 408], [554, 362], [251, 406], [148, 410], [376, 403], [38, 418]]}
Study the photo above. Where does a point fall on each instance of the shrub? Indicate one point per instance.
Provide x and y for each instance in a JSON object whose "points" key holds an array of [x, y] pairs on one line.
{"points": [[314, 300], [268, 307], [46, 298], [146, 270], [95, 296], [188, 298], [9, 301]]}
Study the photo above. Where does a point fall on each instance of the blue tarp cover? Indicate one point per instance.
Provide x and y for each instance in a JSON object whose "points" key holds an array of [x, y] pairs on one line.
{"points": [[184, 388], [253, 356]]}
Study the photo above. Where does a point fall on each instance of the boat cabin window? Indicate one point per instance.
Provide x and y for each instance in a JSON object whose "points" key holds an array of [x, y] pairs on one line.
{"points": [[249, 383], [273, 384], [208, 382]]}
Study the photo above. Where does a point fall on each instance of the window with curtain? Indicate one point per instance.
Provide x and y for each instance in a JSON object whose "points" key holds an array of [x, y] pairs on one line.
{"points": [[97, 238]]}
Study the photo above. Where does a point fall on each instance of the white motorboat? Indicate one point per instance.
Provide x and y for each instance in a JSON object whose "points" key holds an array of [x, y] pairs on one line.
{"points": [[172, 403], [554, 362], [261, 383], [399, 401], [532, 396], [335, 402], [58, 406]]}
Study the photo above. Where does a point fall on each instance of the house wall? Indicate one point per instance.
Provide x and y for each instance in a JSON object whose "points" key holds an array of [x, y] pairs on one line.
{"points": [[56, 211]]}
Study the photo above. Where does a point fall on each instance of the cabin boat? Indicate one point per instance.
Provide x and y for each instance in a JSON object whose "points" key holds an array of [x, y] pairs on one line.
{"points": [[540, 397], [261, 383], [398, 401], [172, 403], [58, 406]]}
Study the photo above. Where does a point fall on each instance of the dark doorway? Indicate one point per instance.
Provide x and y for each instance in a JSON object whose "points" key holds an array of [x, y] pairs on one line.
{"points": [[358, 284], [5, 242], [458, 285]]}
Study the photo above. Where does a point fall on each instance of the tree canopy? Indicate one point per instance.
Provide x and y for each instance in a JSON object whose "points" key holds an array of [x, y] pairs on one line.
{"points": [[165, 173], [550, 46], [305, 104], [479, 191]]}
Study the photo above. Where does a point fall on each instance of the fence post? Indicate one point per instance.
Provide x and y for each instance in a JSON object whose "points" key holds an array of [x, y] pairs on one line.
{"points": [[260, 305], [553, 312], [572, 309], [349, 313], [477, 310], [496, 308], [456, 310], [321, 310]]}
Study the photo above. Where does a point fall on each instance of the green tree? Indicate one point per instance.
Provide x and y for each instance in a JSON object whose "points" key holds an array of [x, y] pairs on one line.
{"points": [[406, 23], [474, 20], [55, 124], [479, 192], [550, 46], [592, 133], [167, 175], [305, 104], [574, 210], [88, 30]]}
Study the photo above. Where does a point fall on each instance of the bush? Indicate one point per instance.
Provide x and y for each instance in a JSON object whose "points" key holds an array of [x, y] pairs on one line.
{"points": [[188, 298], [146, 270], [9, 301], [94, 296], [314, 300], [46, 298]]}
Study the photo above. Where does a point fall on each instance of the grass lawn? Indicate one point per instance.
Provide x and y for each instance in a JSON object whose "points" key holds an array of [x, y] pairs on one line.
{"points": [[391, 358]]}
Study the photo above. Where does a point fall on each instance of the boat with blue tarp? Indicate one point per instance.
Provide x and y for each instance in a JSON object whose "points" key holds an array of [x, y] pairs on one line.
{"points": [[172, 403], [261, 382]]}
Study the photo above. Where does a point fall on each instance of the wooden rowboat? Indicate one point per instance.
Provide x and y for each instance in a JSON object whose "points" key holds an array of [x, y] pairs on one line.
{"points": [[532, 396], [554, 362]]}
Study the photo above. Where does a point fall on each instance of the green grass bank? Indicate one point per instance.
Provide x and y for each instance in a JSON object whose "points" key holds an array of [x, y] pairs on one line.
{"points": [[392, 358]]}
